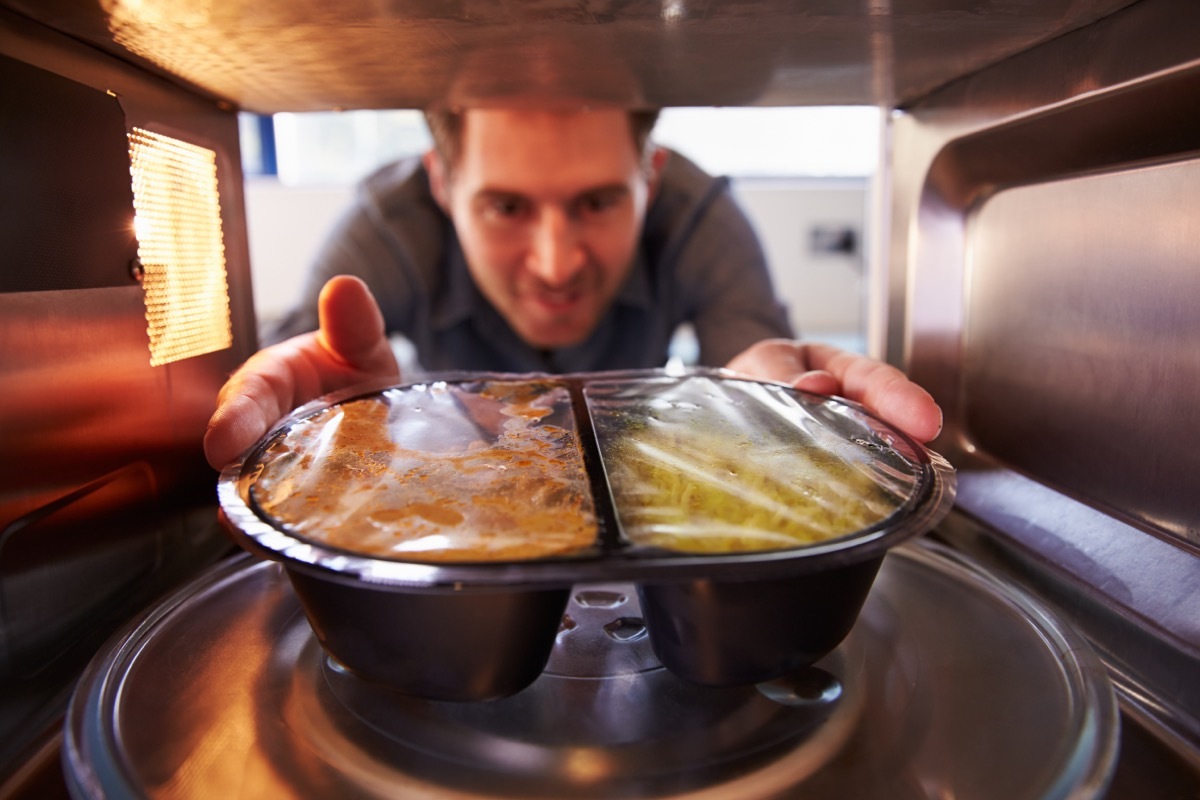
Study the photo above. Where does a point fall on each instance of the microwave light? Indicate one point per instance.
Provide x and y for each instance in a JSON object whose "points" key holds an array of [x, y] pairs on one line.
{"points": [[180, 247]]}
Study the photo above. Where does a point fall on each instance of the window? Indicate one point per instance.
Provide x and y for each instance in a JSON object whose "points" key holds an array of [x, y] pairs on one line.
{"points": [[338, 148], [818, 141]]}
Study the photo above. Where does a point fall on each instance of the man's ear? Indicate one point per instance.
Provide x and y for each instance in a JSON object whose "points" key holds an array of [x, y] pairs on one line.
{"points": [[436, 169], [655, 164]]}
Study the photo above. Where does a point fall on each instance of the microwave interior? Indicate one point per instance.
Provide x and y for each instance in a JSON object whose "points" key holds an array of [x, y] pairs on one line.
{"points": [[1035, 267]]}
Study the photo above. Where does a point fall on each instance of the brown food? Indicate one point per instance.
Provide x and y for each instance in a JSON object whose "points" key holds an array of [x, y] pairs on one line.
{"points": [[516, 491]]}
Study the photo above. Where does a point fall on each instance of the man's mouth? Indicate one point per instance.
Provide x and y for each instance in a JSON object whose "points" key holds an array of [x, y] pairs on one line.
{"points": [[558, 301]]}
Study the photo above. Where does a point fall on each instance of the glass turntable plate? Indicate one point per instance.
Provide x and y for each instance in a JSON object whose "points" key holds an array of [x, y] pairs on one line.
{"points": [[950, 685]]}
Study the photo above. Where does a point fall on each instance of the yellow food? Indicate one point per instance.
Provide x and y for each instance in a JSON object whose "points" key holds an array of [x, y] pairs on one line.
{"points": [[704, 492]]}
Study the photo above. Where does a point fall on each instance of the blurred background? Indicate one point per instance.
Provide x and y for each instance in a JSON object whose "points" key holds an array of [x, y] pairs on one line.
{"points": [[805, 176]]}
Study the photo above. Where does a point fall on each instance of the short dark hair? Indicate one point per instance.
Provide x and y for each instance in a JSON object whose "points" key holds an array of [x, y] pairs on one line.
{"points": [[446, 126]]}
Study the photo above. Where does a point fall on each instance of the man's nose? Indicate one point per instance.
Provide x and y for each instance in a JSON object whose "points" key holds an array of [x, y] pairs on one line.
{"points": [[556, 254]]}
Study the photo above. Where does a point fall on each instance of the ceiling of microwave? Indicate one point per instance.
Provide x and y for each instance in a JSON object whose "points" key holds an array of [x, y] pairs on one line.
{"points": [[269, 56]]}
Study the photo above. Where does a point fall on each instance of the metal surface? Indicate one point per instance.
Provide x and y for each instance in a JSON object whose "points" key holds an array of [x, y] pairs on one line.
{"points": [[1030, 93], [224, 692], [105, 498], [56, 131], [1043, 264], [1098, 306], [289, 55]]}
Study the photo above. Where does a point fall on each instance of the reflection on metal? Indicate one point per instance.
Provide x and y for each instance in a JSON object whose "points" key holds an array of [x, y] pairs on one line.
{"points": [[181, 250], [307, 55], [1045, 270], [940, 653], [39, 623], [105, 498], [63, 166], [1083, 335]]}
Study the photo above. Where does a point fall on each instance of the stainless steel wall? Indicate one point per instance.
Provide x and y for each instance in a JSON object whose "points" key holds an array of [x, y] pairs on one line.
{"points": [[1045, 271], [105, 498]]}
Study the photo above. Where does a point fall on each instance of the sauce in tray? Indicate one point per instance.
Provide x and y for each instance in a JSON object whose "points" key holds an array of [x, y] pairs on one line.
{"points": [[485, 472]]}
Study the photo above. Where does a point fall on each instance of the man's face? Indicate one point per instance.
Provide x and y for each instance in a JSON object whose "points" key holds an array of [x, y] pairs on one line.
{"points": [[548, 207]]}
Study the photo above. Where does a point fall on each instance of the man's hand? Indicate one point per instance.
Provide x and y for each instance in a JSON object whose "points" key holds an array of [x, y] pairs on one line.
{"points": [[350, 347], [826, 370]]}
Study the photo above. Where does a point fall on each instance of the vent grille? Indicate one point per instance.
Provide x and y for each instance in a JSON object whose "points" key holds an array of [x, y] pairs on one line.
{"points": [[180, 246]]}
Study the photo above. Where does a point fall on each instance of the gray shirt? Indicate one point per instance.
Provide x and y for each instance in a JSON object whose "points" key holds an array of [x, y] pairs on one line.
{"points": [[698, 262]]}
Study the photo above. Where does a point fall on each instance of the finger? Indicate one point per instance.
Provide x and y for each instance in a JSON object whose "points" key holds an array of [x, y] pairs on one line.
{"points": [[825, 369], [351, 347], [909, 407], [882, 388], [817, 381], [236, 425], [772, 359], [352, 326], [265, 388]]}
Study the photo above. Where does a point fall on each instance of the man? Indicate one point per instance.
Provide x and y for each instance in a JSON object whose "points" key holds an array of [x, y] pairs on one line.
{"points": [[551, 241], [541, 240]]}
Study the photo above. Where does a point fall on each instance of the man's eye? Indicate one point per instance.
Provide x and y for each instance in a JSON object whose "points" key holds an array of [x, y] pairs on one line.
{"points": [[505, 207], [597, 202]]}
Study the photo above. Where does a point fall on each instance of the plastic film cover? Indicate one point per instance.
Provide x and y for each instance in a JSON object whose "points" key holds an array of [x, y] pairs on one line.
{"points": [[709, 465], [473, 471]]}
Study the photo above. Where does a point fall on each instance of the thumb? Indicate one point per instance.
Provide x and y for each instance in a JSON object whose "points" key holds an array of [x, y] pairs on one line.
{"points": [[352, 328]]}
